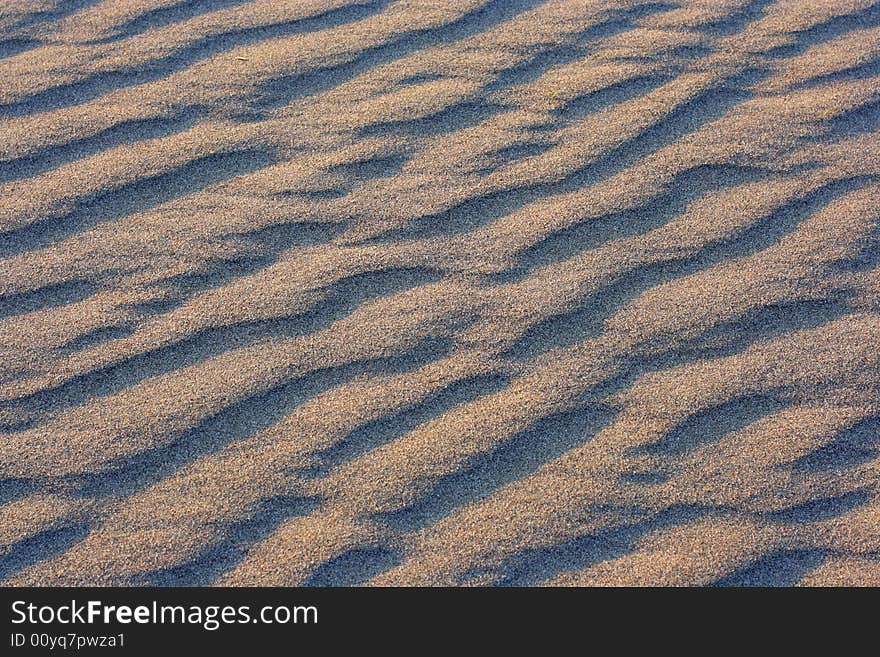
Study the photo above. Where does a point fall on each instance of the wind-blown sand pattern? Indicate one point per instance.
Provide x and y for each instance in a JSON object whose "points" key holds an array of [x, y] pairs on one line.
{"points": [[440, 292]]}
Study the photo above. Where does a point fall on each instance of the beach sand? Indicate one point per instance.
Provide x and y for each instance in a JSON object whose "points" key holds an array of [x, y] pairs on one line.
{"points": [[440, 292]]}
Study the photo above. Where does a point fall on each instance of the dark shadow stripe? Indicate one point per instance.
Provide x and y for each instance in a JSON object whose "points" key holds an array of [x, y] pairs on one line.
{"points": [[223, 555], [387, 429], [341, 299], [777, 568], [97, 84], [241, 420], [40, 547], [354, 567], [515, 458], [129, 198]]}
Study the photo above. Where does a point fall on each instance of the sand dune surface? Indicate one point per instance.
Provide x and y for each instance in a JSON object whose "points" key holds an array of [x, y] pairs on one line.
{"points": [[440, 292]]}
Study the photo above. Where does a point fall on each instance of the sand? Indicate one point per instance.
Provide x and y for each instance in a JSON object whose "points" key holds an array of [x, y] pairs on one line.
{"points": [[440, 292]]}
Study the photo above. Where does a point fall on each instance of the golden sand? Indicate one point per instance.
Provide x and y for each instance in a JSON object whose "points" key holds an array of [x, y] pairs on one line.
{"points": [[459, 292]]}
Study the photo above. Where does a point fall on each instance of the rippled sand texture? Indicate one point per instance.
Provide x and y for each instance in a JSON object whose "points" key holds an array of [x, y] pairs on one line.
{"points": [[491, 292]]}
